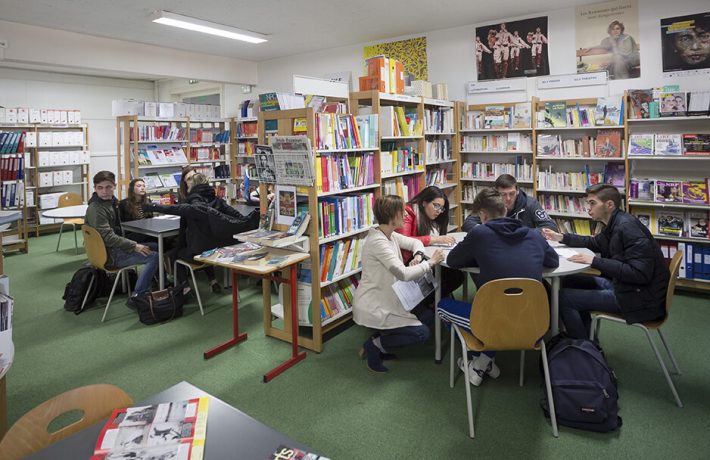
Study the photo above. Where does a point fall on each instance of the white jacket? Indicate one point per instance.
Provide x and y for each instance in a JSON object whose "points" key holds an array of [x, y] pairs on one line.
{"points": [[375, 304]]}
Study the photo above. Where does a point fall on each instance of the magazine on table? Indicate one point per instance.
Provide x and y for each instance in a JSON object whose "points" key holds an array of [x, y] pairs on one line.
{"points": [[411, 293], [174, 430], [275, 238]]}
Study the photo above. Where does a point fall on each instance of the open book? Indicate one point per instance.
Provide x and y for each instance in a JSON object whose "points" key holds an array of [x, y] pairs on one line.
{"points": [[275, 238], [173, 430]]}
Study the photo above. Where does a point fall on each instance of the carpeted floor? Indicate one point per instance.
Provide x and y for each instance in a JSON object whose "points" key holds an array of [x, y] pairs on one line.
{"points": [[330, 401]]}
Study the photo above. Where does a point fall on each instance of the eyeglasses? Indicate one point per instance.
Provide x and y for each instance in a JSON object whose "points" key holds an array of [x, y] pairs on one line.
{"points": [[437, 207]]}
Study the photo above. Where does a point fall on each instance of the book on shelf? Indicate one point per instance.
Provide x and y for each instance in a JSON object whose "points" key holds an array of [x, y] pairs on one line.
{"points": [[640, 103], [556, 114], [641, 144], [548, 145], [668, 144], [697, 224], [615, 174], [167, 430], [669, 191], [647, 216], [670, 223], [168, 180], [608, 144], [696, 144], [696, 191], [494, 116], [522, 115], [275, 238], [673, 104], [609, 111], [642, 189], [698, 103], [266, 220]]}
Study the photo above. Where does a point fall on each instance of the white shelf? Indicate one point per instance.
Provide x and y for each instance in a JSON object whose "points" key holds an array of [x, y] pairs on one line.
{"points": [[400, 98], [340, 277], [498, 151], [669, 157], [246, 138], [360, 149], [400, 174], [163, 120], [656, 204], [348, 190], [666, 119], [664, 237], [580, 128], [395, 138], [436, 133], [197, 162], [278, 311], [437, 102], [208, 144], [244, 155], [246, 119], [548, 158], [70, 146], [342, 236], [56, 166], [440, 162], [61, 185], [496, 130]]}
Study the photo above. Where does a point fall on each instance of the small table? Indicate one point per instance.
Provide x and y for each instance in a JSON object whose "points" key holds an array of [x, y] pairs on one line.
{"points": [[67, 212], [158, 227], [264, 271], [565, 268], [230, 432]]}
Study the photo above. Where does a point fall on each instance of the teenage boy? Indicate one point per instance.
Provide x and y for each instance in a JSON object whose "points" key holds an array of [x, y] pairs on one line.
{"points": [[634, 277], [103, 215], [517, 205], [503, 248]]}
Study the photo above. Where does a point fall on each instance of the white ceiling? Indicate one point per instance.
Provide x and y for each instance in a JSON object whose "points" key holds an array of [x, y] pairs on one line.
{"points": [[293, 26]]}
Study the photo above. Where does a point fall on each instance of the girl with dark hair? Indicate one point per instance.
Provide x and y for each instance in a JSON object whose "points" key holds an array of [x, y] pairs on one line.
{"points": [[130, 208], [185, 182]]}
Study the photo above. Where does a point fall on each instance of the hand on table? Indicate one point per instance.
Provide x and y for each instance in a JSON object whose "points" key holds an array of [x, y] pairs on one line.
{"points": [[581, 259], [437, 257], [551, 235], [443, 239]]}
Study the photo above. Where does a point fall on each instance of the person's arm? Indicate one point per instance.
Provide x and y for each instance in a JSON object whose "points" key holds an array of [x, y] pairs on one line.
{"points": [[635, 265], [471, 222], [99, 219], [224, 208], [551, 259], [464, 253], [540, 217], [579, 241], [394, 265], [174, 209]]}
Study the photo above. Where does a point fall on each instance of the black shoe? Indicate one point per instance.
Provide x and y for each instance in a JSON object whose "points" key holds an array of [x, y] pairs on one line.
{"points": [[216, 288], [132, 303]]}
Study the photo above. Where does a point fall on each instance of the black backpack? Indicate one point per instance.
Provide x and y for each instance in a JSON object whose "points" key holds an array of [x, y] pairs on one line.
{"points": [[75, 290], [583, 385]]}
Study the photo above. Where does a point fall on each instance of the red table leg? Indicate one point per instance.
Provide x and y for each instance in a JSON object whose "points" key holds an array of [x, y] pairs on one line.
{"points": [[295, 355], [236, 336]]}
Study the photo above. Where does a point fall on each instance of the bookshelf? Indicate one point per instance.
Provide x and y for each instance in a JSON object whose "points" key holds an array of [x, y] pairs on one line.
{"points": [[495, 139], [331, 287], [671, 217], [245, 139], [573, 150], [15, 180]]}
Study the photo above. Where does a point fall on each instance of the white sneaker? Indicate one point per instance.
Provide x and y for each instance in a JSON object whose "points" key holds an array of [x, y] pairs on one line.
{"points": [[476, 373]]}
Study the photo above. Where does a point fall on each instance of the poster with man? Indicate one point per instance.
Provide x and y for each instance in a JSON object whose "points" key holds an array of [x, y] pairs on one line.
{"points": [[512, 49], [606, 39], [685, 41]]}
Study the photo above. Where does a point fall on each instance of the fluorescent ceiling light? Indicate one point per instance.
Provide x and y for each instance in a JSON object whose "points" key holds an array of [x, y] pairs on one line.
{"points": [[198, 25]]}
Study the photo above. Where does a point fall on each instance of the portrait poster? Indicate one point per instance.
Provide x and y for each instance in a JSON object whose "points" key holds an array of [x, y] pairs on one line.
{"points": [[685, 41], [512, 49], [285, 204], [411, 53], [607, 39], [265, 164]]}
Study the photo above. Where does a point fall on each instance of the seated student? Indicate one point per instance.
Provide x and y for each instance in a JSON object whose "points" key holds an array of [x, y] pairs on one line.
{"points": [[375, 305], [426, 218], [130, 209], [634, 277], [503, 248], [103, 215], [517, 205]]}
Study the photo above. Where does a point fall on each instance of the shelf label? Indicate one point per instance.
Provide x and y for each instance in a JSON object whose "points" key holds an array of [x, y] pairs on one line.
{"points": [[573, 79], [493, 86]]}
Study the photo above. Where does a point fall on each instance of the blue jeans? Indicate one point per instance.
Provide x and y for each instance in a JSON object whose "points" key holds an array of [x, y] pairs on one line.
{"points": [[459, 313], [122, 258], [408, 335], [581, 294]]}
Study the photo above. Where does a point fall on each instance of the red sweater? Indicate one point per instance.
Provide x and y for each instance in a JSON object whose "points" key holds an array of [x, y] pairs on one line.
{"points": [[410, 229]]}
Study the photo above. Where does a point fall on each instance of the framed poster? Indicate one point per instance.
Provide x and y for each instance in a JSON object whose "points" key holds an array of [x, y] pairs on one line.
{"points": [[685, 41]]}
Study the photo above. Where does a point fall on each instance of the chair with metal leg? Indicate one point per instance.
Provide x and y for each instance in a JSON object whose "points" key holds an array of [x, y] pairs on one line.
{"points": [[647, 326], [192, 267], [70, 199]]}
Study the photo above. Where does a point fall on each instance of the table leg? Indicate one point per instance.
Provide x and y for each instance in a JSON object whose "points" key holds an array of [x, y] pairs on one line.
{"points": [[161, 281], [236, 336], [555, 306], [295, 355], [437, 320]]}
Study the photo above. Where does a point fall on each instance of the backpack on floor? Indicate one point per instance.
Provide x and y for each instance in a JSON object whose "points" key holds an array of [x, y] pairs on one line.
{"points": [[583, 385], [75, 290]]}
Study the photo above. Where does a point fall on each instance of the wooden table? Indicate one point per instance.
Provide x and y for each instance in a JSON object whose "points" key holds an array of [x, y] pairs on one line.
{"points": [[158, 227], [266, 272]]}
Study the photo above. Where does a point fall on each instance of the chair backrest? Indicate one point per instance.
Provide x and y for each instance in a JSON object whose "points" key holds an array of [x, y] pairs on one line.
{"points": [[30, 433], [510, 314], [674, 268], [95, 248], [69, 199]]}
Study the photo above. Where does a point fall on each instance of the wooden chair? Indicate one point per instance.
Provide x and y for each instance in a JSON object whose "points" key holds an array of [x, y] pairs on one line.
{"points": [[646, 326], [507, 314], [70, 199], [30, 433], [98, 256]]}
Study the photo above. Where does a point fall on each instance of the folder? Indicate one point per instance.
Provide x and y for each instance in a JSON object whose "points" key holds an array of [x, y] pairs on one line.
{"points": [[681, 268]]}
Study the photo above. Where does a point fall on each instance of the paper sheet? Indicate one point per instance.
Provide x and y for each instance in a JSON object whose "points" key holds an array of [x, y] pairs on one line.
{"points": [[411, 293]]}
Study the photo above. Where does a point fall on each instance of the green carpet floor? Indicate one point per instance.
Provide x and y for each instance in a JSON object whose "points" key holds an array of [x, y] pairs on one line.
{"points": [[330, 401]]}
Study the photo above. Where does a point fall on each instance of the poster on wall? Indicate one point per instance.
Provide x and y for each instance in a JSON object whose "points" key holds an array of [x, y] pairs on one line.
{"points": [[411, 53], [606, 39], [685, 41], [512, 49]]}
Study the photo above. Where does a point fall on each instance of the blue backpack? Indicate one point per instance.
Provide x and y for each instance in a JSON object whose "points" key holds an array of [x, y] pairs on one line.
{"points": [[583, 385]]}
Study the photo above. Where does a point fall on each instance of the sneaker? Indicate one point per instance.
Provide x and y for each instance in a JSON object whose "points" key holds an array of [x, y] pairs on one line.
{"points": [[131, 303], [475, 373]]}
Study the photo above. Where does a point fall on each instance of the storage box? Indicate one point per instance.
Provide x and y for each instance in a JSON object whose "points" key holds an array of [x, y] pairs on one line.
{"points": [[421, 88], [68, 176], [368, 83], [180, 110], [48, 220], [150, 109], [49, 200], [46, 179], [441, 91], [166, 109], [127, 107], [35, 116]]}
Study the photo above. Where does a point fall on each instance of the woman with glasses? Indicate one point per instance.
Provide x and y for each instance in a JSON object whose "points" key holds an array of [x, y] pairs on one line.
{"points": [[426, 218]]}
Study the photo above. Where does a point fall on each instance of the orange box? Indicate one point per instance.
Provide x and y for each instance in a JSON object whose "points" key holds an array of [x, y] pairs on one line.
{"points": [[399, 77], [368, 83]]}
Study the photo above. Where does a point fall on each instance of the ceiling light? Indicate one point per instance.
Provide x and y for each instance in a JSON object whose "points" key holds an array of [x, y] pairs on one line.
{"points": [[198, 25]]}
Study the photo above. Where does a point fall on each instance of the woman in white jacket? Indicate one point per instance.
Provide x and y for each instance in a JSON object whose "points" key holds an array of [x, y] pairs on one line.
{"points": [[375, 304]]}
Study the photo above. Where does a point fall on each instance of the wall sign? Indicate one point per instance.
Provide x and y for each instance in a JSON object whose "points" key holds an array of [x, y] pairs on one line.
{"points": [[493, 86], [571, 80]]}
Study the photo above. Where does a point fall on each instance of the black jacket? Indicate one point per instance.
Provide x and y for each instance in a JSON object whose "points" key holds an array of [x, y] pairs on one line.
{"points": [[124, 211], [633, 260], [527, 210], [504, 248]]}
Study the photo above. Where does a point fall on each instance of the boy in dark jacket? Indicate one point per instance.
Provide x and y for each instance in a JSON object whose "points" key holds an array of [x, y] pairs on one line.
{"points": [[503, 248], [634, 277]]}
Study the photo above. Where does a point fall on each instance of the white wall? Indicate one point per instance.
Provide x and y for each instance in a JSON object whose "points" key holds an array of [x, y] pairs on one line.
{"points": [[91, 95], [451, 57]]}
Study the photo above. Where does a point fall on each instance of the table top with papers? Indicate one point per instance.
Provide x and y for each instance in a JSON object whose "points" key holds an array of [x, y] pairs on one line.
{"points": [[275, 260]]}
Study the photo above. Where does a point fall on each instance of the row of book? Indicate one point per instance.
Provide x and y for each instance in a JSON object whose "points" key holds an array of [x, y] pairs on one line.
{"points": [[217, 171], [344, 171], [510, 142], [469, 191], [337, 131], [24, 115], [246, 148], [669, 144], [660, 221], [608, 111], [248, 169], [517, 116], [438, 150], [12, 194], [400, 121], [54, 178], [205, 154], [12, 141], [579, 226], [340, 257], [162, 198], [521, 170], [606, 144], [670, 191], [245, 129], [166, 132], [161, 180], [12, 167], [406, 187], [439, 120], [154, 155], [437, 176], [343, 214], [667, 101], [563, 203], [337, 298], [400, 161], [567, 181], [209, 135]]}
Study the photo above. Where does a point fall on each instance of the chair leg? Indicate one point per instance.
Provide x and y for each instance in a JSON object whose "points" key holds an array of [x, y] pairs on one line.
{"points": [[113, 289], [522, 367], [670, 354], [663, 366], [469, 408], [86, 296], [452, 360], [548, 388], [61, 227], [76, 241], [197, 290]]}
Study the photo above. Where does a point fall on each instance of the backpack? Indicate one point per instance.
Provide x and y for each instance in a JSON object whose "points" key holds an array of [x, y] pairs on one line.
{"points": [[75, 290], [583, 385]]}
